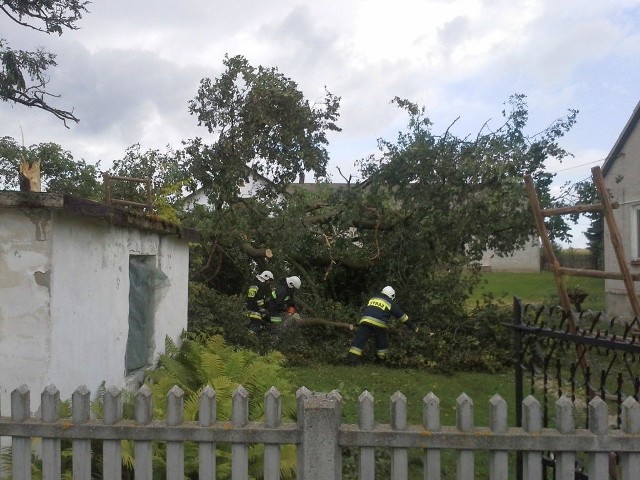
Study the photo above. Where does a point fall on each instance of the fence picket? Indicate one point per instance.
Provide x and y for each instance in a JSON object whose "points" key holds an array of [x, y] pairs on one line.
{"points": [[301, 395], [464, 421], [598, 425], [175, 450], [498, 459], [239, 419], [366, 421], [81, 448], [21, 446], [143, 450], [431, 422], [207, 414], [112, 449], [399, 456], [532, 424], [51, 460], [273, 417], [565, 461], [630, 461]]}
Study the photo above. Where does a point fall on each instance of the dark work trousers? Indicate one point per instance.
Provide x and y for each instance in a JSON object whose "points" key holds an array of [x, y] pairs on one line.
{"points": [[362, 335]]}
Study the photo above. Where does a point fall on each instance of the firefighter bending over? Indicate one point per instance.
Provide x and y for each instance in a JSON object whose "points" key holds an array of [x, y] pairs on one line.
{"points": [[374, 320], [283, 301], [258, 297]]}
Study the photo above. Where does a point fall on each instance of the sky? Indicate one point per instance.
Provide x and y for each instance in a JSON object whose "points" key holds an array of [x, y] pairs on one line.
{"points": [[130, 70]]}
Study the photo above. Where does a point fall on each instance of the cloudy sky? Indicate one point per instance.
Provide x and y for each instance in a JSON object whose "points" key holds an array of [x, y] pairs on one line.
{"points": [[131, 69]]}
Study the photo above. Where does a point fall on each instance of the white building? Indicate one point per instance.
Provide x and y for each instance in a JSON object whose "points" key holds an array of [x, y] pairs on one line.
{"points": [[621, 173], [69, 314]]}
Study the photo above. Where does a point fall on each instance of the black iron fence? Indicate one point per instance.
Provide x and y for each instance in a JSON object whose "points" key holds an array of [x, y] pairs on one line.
{"points": [[601, 357]]}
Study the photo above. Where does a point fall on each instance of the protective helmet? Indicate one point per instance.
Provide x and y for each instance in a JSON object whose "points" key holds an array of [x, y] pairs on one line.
{"points": [[267, 275], [293, 282], [389, 292]]}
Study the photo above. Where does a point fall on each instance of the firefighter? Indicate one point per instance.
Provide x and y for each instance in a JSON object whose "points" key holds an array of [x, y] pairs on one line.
{"points": [[258, 297], [374, 320], [283, 301]]}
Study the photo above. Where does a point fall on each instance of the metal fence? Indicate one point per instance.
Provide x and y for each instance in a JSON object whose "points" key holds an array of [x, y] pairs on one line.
{"points": [[318, 435], [600, 358]]}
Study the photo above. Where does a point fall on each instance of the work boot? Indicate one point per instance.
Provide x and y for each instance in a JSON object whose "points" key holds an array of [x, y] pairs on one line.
{"points": [[353, 359]]}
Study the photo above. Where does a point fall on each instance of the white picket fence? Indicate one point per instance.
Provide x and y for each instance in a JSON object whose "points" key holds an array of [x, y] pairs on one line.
{"points": [[318, 435]]}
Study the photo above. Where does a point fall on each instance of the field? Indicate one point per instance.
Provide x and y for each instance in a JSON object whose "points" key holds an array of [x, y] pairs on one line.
{"points": [[537, 288]]}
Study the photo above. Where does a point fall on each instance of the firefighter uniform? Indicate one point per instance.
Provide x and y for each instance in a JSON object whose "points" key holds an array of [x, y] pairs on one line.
{"points": [[374, 320], [258, 297], [282, 299]]}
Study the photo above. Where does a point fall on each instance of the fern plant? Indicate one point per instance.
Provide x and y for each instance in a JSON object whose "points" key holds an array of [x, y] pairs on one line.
{"points": [[199, 361]]}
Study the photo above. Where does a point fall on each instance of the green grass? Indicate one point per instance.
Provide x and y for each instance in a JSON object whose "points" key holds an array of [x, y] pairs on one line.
{"points": [[383, 382], [536, 288]]}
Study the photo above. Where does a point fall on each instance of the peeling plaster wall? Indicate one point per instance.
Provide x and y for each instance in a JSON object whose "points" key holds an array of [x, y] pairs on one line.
{"points": [[25, 329], [64, 299], [90, 304]]}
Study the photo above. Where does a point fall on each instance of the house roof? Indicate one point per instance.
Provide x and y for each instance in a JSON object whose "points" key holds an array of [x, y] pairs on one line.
{"points": [[622, 139], [88, 208]]}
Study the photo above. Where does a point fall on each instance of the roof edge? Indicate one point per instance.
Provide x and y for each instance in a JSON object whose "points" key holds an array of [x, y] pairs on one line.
{"points": [[622, 139]]}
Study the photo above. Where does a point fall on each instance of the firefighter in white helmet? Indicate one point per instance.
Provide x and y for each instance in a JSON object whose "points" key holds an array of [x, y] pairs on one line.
{"points": [[283, 301], [258, 296], [374, 320]]}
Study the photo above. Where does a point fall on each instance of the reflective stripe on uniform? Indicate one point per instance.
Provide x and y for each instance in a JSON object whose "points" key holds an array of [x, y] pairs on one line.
{"points": [[374, 321], [356, 351], [276, 319]]}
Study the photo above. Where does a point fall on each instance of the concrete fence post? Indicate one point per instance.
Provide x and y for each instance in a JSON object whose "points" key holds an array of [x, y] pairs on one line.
{"points": [[320, 451]]}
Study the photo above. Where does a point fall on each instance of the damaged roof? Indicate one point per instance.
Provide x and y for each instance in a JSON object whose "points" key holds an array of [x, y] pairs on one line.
{"points": [[114, 215]]}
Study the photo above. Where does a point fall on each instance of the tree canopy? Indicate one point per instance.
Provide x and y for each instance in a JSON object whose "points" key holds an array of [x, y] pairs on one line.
{"points": [[23, 74], [262, 126], [429, 206]]}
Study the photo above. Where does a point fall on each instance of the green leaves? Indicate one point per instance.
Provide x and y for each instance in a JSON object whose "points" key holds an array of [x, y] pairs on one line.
{"points": [[263, 126]]}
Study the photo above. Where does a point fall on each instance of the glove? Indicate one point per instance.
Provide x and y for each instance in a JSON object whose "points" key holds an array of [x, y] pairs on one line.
{"points": [[412, 326]]}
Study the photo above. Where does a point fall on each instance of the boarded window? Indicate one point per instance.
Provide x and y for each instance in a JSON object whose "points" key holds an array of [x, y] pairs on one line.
{"points": [[147, 286]]}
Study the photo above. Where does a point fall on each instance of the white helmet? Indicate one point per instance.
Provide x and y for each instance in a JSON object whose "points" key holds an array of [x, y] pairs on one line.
{"points": [[389, 292], [264, 276], [293, 282]]}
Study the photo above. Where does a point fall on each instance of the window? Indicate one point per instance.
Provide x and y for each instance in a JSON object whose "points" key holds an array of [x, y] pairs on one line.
{"points": [[147, 285]]}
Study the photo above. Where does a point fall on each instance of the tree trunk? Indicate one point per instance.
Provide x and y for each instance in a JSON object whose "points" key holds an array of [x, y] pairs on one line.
{"points": [[314, 321]]}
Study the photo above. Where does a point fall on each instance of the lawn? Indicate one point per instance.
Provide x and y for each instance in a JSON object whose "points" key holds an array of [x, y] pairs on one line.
{"points": [[383, 382], [536, 288]]}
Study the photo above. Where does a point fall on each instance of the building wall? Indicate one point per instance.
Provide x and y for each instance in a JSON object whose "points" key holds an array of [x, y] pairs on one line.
{"points": [[78, 328], [627, 193], [25, 330], [524, 260]]}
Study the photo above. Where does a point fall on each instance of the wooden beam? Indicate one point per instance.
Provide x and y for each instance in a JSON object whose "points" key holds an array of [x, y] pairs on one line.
{"points": [[616, 241], [550, 212], [583, 272]]}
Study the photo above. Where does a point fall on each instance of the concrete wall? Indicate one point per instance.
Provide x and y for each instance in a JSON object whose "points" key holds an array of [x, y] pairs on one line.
{"points": [[69, 323], [626, 192], [25, 329], [525, 260]]}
